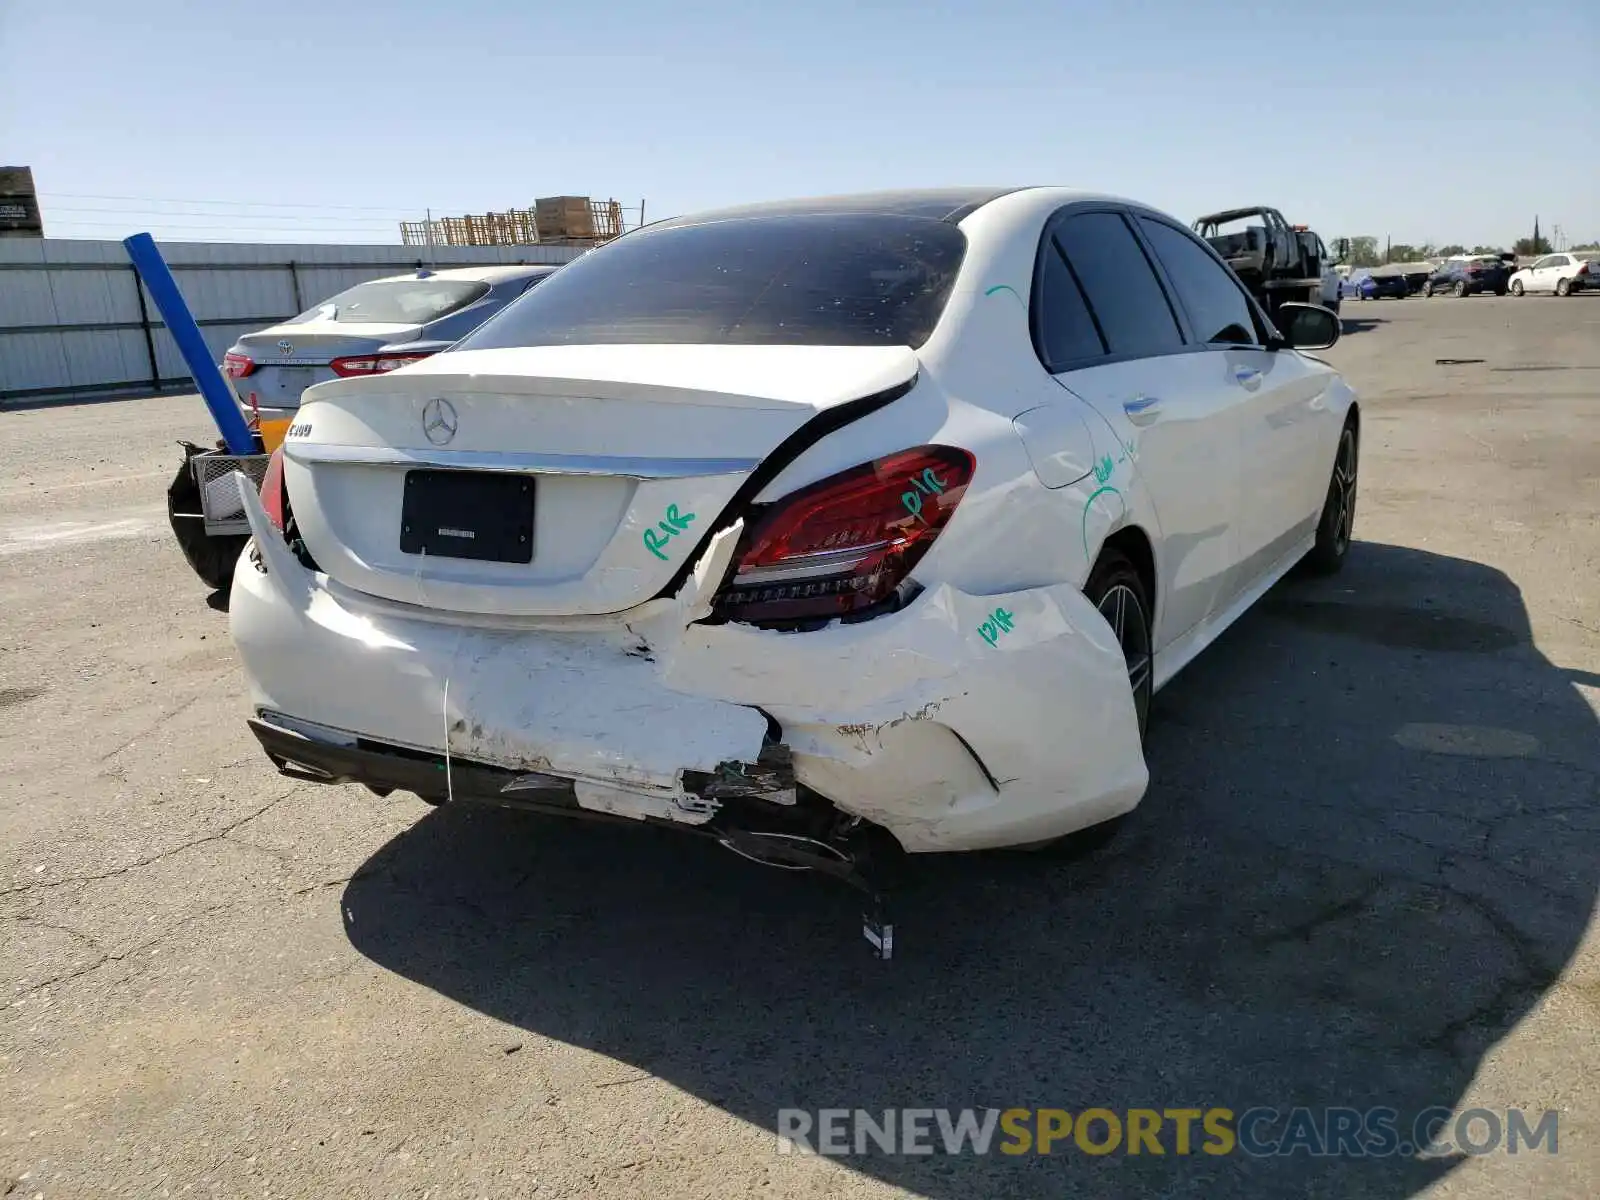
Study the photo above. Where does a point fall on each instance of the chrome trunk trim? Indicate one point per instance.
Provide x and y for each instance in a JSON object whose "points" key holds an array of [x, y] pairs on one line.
{"points": [[307, 453]]}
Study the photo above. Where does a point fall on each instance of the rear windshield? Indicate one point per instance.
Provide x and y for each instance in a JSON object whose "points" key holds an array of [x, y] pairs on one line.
{"points": [[396, 301], [819, 280]]}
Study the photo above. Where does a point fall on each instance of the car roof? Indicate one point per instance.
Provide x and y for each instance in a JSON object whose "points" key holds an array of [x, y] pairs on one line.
{"points": [[940, 204], [950, 204], [488, 273]]}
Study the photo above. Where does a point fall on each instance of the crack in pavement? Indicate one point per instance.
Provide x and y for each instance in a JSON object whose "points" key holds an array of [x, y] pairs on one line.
{"points": [[1302, 930], [1533, 976], [118, 956], [30, 919], [42, 884], [364, 873], [165, 717]]}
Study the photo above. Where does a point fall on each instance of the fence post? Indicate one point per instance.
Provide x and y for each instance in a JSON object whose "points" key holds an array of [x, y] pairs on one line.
{"points": [[294, 282], [144, 324]]}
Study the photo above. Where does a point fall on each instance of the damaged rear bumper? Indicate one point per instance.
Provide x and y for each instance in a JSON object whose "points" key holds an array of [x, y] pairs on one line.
{"points": [[948, 728], [301, 750]]}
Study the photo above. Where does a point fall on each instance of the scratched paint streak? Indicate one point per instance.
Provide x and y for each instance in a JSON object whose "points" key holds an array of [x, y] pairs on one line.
{"points": [[1006, 287]]}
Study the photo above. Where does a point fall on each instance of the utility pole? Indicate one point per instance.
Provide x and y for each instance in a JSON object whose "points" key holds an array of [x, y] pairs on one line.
{"points": [[427, 225]]}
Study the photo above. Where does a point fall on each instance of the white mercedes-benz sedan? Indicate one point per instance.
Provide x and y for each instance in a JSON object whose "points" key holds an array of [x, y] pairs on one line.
{"points": [[884, 512]]}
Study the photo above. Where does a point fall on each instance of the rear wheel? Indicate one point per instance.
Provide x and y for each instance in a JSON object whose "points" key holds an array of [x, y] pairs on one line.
{"points": [[1339, 509], [1516, 287], [1563, 287], [1116, 590], [1427, 288], [1460, 289]]}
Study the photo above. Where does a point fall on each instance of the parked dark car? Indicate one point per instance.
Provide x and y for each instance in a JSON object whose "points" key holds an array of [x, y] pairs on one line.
{"points": [[1378, 284], [1469, 276], [1415, 274]]}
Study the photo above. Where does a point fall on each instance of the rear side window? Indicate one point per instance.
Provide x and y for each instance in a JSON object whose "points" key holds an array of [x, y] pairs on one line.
{"points": [[1063, 324], [1128, 304], [396, 302], [1217, 308], [835, 279]]}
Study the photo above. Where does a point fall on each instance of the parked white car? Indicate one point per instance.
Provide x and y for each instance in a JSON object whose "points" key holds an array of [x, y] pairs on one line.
{"points": [[373, 327], [780, 522], [1560, 274]]}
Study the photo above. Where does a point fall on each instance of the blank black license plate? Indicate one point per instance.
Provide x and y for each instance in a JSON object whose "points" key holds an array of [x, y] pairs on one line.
{"points": [[468, 514]]}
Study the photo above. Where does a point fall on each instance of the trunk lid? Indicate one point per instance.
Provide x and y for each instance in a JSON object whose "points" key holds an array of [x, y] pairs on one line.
{"points": [[630, 454], [291, 358]]}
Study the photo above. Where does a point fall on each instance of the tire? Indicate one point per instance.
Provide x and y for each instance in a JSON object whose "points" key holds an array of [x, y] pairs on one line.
{"points": [[1516, 287], [1339, 508], [1460, 290], [1333, 306], [1563, 287], [211, 558], [1427, 290], [1116, 590]]}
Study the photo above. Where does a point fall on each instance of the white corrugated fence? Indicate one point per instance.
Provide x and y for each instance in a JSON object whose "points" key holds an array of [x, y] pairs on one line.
{"points": [[74, 320]]}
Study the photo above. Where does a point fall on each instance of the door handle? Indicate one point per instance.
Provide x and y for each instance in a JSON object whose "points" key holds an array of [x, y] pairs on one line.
{"points": [[1142, 410]]}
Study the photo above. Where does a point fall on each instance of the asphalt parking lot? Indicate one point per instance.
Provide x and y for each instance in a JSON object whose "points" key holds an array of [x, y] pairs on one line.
{"points": [[1365, 874]]}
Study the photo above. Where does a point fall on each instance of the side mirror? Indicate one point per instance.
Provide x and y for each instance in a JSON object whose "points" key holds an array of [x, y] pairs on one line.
{"points": [[1308, 326]]}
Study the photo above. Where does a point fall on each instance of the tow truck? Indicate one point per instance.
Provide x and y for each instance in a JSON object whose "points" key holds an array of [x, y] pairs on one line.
{"points": [[1276, 261]]}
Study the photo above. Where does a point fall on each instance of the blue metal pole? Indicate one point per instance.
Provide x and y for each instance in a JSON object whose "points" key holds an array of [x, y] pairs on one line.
{"points": [[163, 289]]}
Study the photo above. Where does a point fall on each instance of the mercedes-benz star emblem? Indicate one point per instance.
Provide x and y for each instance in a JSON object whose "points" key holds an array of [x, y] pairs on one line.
{"points": [[286, 348], [439, 421]]}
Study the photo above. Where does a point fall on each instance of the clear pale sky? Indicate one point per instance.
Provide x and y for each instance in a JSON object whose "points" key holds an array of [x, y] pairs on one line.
{"points": [[1441, 120]]}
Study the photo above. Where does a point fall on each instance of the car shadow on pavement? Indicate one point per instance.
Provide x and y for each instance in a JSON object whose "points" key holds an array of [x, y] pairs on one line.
{"points": [[1365, 854], [1362, 324]]}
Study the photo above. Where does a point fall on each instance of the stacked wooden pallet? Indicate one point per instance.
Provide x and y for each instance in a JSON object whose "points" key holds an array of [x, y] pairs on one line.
{"points": [[561, 219]]}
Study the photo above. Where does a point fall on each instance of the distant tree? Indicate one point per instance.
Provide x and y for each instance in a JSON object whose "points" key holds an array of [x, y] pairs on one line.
{"points": [[1486, 249], [1363, 252], [1587, 246], [1452, 248], [1403, 252], [1528, 246]]}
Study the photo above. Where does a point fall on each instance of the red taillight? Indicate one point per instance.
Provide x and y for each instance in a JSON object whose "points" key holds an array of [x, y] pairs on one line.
{"points": [[371, 364], [272, 495], [1583, 269], [847, 543], [237, 366]]}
